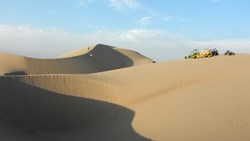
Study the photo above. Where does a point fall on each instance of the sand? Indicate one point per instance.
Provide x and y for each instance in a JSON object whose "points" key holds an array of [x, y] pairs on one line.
{"points": [[124, 96], [103, 58]]}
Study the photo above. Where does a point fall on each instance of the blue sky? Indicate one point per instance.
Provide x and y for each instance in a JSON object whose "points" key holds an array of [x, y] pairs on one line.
{"points": [[160, 29]]}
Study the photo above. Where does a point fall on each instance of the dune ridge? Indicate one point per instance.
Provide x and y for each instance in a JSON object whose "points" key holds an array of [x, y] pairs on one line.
{"points": [[103, 58], [201, 99]]}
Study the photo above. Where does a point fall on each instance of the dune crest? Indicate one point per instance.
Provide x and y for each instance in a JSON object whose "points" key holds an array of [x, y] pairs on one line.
{"points": [[99, 58]]}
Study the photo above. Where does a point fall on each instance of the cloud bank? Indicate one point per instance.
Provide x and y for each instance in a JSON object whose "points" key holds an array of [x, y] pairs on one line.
{"points": [[157, 44]]}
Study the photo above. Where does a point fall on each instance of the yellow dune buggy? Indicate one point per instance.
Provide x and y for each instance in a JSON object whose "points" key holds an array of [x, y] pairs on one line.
{"points": [[199, 54]]}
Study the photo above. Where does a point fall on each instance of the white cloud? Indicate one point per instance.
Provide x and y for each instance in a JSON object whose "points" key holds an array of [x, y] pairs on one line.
{"points": [[43, 42], [145, 20], [122, 4], [157, 44], [131, 3], [238, 45]]}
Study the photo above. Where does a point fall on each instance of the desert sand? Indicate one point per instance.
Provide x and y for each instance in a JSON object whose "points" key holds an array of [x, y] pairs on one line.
{"points": [[121, 95]]}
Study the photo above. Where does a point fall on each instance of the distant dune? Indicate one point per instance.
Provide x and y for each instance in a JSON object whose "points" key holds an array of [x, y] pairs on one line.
{"points": [[58, 99], [98, 58]]}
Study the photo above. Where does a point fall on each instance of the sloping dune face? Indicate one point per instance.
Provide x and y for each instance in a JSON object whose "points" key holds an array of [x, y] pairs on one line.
{"points": [[61, 108], [201, 99], [97, 59]]}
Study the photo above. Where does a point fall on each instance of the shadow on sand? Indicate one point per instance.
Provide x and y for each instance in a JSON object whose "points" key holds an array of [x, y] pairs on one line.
{"points": [[103, 58], [31, 113]]}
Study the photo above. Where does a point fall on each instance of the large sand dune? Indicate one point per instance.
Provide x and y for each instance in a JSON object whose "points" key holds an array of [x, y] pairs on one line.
{"points": [[202, 99], [103, 58]]}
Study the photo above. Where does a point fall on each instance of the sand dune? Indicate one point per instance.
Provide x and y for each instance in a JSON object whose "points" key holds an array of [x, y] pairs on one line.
{"points": [[103, 58], [201, 99], [32, 113]]}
